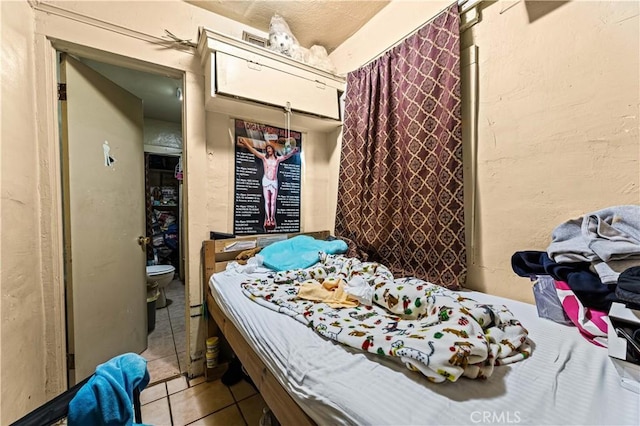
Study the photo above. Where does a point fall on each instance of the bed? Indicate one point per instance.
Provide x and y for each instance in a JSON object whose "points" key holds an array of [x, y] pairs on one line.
{"points": [[307, 379]]}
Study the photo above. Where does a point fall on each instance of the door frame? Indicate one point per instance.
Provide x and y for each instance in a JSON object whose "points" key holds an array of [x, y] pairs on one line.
{"points": [[62, 47], [80, 232], [47, 45]]}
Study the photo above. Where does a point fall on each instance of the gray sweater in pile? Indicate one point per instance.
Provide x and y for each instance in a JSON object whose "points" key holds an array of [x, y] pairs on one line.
{"points": [[608, 238]]}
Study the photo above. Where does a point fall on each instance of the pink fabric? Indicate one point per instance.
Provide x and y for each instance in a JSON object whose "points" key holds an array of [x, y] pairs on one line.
{"points": [[591, 323]]}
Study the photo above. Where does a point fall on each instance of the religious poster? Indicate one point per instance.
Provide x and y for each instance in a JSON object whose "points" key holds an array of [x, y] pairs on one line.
{"points": [[267, 179]]}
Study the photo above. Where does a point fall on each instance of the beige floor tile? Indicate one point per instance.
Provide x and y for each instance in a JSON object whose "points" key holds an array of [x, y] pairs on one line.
{"points": [[153, 393], [168, 302], [178, 300], [178, 323], [161, 324], [157, 413], [242, 390], [177, 309], [174, 293], [196, 381], [162, 319], [177, 312], [180, 340], [159, 348], [162, 331], [183, 361], [163, 368], [176, 283], [162, 315], [252, 409], [229, 416], [177, 385], [199, 401], [175, 288]]}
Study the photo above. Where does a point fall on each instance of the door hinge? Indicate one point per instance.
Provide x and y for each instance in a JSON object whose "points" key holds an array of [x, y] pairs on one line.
{"points": [[71, 362], [62, 91]]}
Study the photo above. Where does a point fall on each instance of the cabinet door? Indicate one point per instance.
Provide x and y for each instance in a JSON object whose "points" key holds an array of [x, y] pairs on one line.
{"points": [[259, 82]]}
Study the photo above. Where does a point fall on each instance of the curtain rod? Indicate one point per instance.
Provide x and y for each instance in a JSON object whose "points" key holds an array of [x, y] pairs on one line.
{"points": [[464, 6]]}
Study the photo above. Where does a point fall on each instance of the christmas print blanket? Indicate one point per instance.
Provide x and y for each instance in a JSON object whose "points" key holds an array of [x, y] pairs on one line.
{"points": [[433, 330]]}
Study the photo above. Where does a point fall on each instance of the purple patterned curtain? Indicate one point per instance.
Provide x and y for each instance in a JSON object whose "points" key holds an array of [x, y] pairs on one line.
{"points": [[400, 196]]}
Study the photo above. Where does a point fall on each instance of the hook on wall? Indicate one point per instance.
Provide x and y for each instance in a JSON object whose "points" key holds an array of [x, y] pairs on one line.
{"points": [[287, 114]]}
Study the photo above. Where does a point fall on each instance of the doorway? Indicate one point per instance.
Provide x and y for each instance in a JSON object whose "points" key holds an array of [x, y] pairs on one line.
{"points": [[164, 329], [163, 178], [166, 353]]}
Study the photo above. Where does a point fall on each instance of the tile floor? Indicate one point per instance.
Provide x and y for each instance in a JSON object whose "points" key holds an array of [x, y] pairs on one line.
{"points": [[173, 400], [181, 401], [167, 344]]}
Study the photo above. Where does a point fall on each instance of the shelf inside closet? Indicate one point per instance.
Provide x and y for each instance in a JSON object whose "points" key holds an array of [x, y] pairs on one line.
{"points": [[164, 212]]}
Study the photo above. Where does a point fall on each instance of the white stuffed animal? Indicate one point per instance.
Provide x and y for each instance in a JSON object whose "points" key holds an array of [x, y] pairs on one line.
{"points": [[282, 40], [280, 37]]}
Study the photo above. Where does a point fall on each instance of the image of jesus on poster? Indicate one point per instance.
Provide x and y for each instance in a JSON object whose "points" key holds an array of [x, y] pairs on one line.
{"points": [[270, 161]]}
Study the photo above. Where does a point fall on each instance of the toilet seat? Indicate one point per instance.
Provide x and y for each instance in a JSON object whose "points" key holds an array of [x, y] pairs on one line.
{"points": [[159, 270]]}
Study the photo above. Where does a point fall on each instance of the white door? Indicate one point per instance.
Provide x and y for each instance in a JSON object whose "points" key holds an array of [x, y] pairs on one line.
{"points": [[103, 186]]}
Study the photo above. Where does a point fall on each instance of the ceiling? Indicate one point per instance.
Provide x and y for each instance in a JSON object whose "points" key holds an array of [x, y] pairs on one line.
{"points": [[324, 22], [158, 93]]}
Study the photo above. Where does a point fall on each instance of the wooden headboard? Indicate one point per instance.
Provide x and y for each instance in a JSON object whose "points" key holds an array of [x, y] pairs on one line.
{"points": [[216, 258]]}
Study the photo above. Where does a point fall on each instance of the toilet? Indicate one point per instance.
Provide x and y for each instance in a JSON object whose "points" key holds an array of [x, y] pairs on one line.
{"points": [[161, 275]]}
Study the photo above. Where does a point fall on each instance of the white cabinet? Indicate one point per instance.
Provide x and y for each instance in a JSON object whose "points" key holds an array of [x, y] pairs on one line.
{"points": [[239, 75]]}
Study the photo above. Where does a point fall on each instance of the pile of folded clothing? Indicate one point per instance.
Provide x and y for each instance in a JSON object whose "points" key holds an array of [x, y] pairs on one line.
{"points": [[628, 289], [586, 257]]}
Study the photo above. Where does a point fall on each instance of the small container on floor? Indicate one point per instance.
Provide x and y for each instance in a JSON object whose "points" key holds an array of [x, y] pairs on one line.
{"points": [[212, 344], [212, 359]]}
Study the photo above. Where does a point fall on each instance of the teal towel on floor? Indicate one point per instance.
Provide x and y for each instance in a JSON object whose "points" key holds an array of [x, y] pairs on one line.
{"points": [[298, 252], [107, 398]]}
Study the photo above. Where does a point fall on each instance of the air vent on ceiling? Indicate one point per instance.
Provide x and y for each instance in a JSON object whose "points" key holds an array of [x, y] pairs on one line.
{"points": [[254, 39]]}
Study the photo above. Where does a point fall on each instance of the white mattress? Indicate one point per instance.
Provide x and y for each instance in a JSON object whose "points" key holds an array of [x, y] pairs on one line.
{"points": [[567, 381]]}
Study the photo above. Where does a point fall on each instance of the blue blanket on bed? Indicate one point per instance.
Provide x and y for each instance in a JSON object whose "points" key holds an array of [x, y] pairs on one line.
{"points": [[298, 252]]}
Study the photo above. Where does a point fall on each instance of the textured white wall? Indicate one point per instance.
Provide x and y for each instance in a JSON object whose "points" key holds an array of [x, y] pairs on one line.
{"points": [[162, 133], [23, 348], [391, 24], [557, 125]]}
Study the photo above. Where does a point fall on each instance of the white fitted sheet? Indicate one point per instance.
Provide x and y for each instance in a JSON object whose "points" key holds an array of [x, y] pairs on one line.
{"points": [[567, 380]]}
